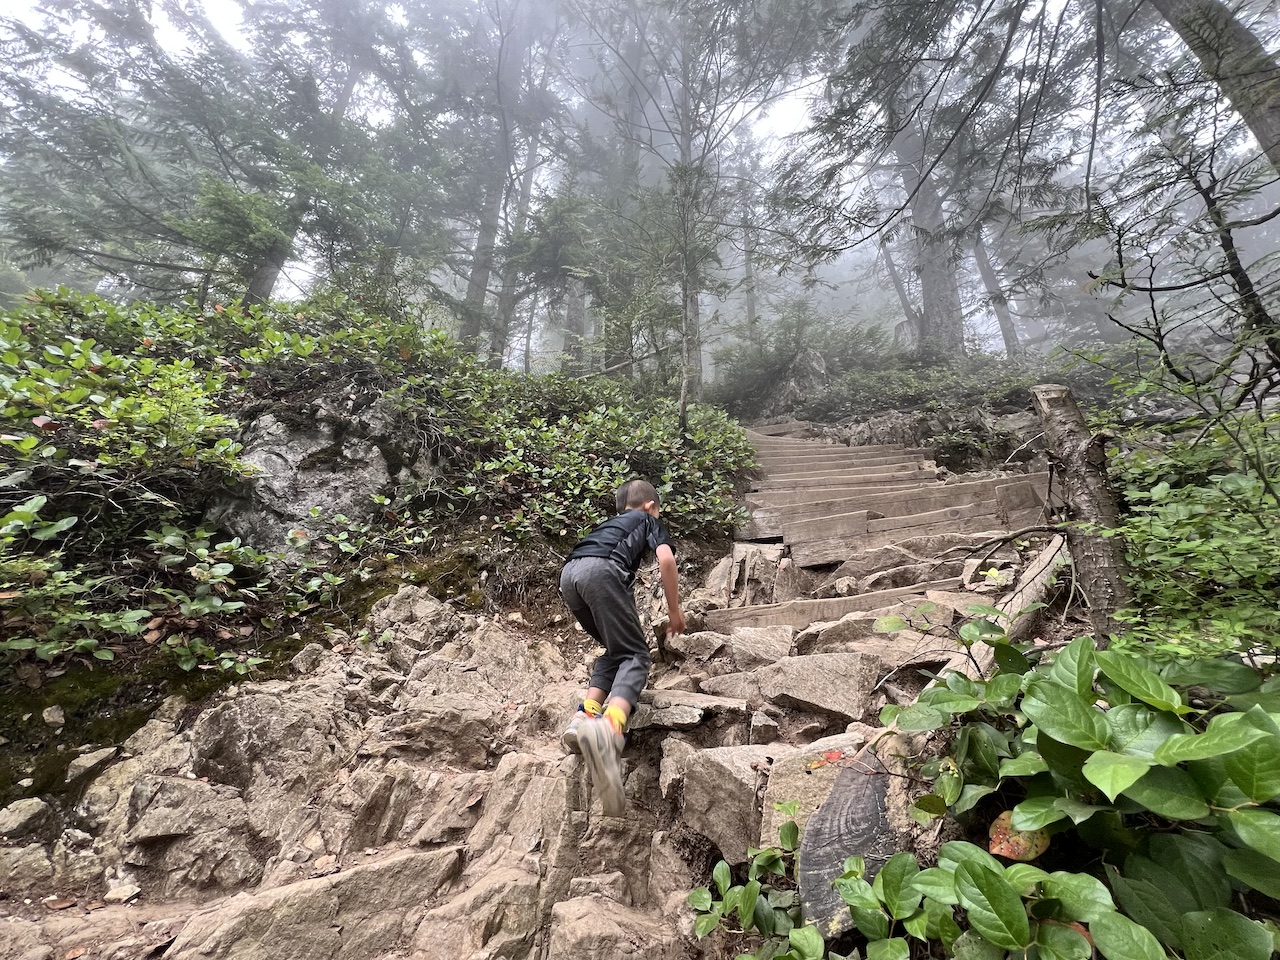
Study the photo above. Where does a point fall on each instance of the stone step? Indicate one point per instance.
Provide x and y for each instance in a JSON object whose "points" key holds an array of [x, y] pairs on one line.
{"points": [[826, 468], [982, 517], [769, 516], [801, 613], [845, 479], [681, 710]]}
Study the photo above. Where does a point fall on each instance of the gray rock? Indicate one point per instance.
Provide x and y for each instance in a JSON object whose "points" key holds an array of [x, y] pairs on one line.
{"points": [[757, 646], [121, 893], [308, 658], [612, 886], [24, 817], [361, 912], [836, 635], [88, 762], [25, 868], [840, 684], [53, 716], [721, 796], [736, 686], [595, 928], [702, 645], [679, 710], [764, 729]]}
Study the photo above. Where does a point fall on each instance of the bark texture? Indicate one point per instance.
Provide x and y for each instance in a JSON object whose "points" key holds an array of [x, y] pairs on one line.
{"points": [[1079, 459]]}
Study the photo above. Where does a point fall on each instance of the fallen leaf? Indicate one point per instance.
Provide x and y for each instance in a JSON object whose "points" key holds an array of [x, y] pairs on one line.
{"points": [[1014, 844], [155, 623], [95, 905], [75, 953], [45, 423], [246, 630], [10, 594], [58, 903]]}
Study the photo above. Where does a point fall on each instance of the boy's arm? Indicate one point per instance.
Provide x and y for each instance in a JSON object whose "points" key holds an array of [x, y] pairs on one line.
{"points": [[670, 577]]}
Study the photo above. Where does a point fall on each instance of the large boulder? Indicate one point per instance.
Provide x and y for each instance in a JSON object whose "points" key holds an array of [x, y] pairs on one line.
{"points": [[722, 794]]}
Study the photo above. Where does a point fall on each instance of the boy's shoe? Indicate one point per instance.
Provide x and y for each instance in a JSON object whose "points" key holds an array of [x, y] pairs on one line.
{"points": [[570, 736], [601, 748]]}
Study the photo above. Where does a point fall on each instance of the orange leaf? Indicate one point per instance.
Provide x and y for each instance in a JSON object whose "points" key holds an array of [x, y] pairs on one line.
{"points": [[1015, 844]]}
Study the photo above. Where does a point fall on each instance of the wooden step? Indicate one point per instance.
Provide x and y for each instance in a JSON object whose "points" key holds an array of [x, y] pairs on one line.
{"points": [[801, 613], [918, 475], [826, 469], [779, 461], [780, 429]]}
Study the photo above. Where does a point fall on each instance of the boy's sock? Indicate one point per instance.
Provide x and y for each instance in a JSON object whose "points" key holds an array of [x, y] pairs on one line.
{"points": [[617, 719], [591, 708]]}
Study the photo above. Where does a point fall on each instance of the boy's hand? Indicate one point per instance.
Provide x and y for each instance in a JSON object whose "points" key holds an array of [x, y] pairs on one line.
{"points": [[675, 622]]}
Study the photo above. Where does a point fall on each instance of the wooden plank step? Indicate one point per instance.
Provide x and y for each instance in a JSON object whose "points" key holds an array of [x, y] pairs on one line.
{"points": [[792, 465], [986, 518], [772, 499], [790, 426], [768, 516], [829, 469], [801, 613], [841, 455], [846, 480]]}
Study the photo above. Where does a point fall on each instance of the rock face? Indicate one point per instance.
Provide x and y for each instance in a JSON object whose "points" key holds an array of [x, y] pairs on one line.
{"points": [[409, 799], [333, 454]]}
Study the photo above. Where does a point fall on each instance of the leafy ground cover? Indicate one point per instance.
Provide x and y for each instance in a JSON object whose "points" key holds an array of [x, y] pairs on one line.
{"points": [[118, 430]]}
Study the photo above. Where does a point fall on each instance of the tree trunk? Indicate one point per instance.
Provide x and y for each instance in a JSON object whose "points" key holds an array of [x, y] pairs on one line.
{"points": [[482, 263], [501, 332], [1080, 461], [1236, 60], [941, 315], [999, 302], [575, 329], [908, 308], [749, 280]]}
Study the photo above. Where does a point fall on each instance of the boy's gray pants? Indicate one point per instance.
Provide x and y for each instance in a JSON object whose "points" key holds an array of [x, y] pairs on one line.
{"points": [[597, 594]]}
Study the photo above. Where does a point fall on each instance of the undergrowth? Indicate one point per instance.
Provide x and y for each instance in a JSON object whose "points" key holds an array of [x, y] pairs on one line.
{"points": [[119, 432]]}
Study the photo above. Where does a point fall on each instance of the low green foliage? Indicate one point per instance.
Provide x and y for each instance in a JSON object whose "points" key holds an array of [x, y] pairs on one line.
{"points": [[1151, 786], [1203, 540], [118, 433]]}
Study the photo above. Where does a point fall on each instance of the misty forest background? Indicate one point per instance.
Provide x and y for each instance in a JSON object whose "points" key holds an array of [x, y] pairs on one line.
{"points": [[823, 210]]}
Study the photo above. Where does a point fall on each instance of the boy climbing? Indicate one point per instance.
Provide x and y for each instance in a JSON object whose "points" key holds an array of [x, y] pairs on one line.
{"points": [[596, 583]]}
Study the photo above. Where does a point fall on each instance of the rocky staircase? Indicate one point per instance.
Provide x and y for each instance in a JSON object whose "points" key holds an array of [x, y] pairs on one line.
{"points": [[406, 798]]}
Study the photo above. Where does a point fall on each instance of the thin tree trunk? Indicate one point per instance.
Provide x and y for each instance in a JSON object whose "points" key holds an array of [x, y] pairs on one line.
{"points": [[999, 302], [1079, 459], [528, 337], [941, 315], [749, 279], [575, 328], [1236, 60], [908, 309], [507, 292], [482, 263]]}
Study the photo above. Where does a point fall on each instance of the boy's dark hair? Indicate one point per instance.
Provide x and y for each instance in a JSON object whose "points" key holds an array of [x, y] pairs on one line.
{"points": [[636, 493]]}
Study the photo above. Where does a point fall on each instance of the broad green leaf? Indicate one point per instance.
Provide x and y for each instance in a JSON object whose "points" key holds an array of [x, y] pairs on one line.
{"points": [[721, 877], [936, 884], [1058, 942], [970, 795], [1194, 862], [765, 917], [1147, 904], [1083, 897], [970, 946], [1259, 829], [1266, 699], [856, 892], [1003, 688], [893, 885], [1119, 938], [1255, 870], [940, 698], [1024, 765], [1141, 682], [949, 785], [1138, 731], [1225, 734], [747, 903], [955, 852], [994, 908], [1170, 792], [789, 835], [1077, 810], [699, 899], [1220, 676], [1224, 935], [920, 718], [1035, 813], [1256, 769], [1066, 763], [928, 807], [807, 943], [1024, 877], [1065, 715], [1112, 773], [873, 923], [1074, 665], [1011, 660], [705, 923], [894, 949]]}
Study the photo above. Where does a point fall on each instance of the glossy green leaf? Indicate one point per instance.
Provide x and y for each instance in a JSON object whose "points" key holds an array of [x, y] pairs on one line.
{"points": [[1113, 773], [893, 885], [1002, 689], [1224, 935], [1259, 829], [970, 794], [920, 718], [1025, 765], [1119, 938], [1225, 734], [971, 946], [955, 852], [873, 923], [1065, 715], [1082, 896], [1221, 676], [1170, 792], [1138, 730], [1139, 681], [1074, 665], [1193, 862], [1058, 942], [1255, 870], [994, 908], [892, 949], [699, 899], [937, 884], [1024, 877], [807, 943], [1036, 813], [721, 877], [1148, 905], [747, 904], [705, 923], [1256, 769]]}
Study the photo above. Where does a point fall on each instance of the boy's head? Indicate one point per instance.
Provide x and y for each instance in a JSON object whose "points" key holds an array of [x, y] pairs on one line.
{"points": [[638, 495]]}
